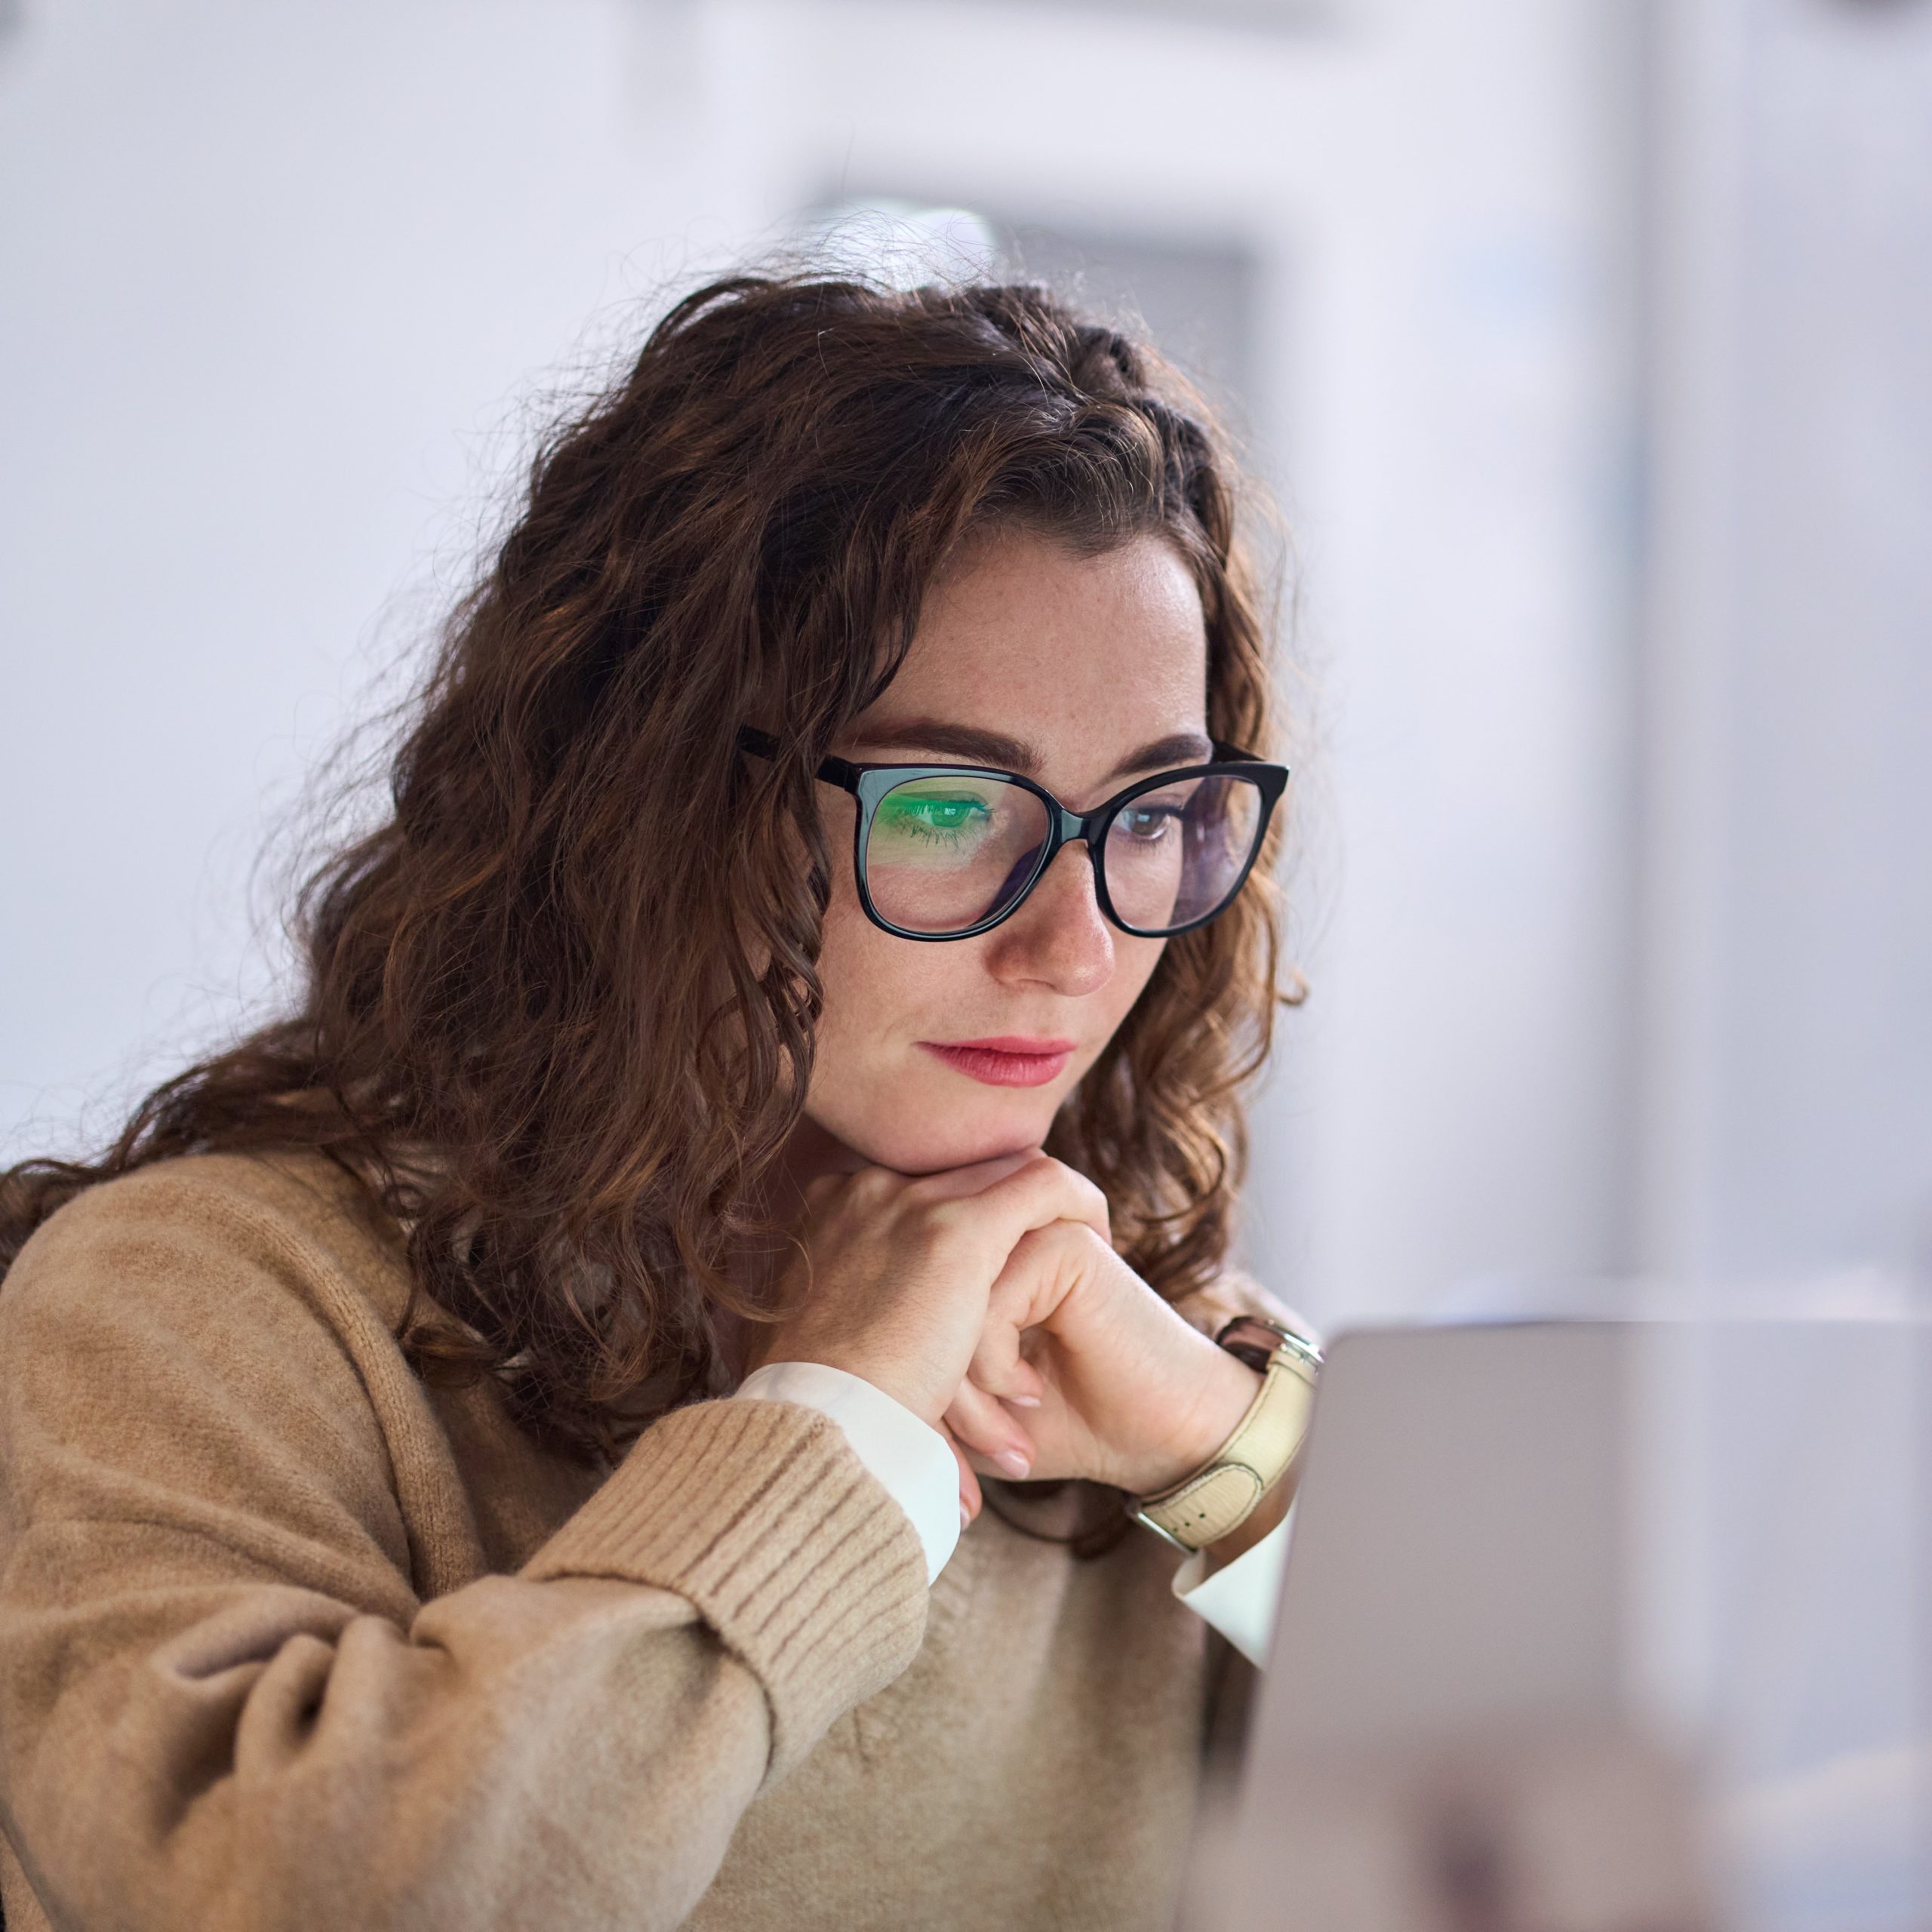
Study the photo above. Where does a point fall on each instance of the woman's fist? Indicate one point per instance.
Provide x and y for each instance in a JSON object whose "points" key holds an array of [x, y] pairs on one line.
{"points": [[894, 1272], [989, 1293], [1115, 1386]]}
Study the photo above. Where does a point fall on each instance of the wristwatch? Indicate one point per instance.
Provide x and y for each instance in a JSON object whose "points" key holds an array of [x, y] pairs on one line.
{"points": [[1225, 1491]]}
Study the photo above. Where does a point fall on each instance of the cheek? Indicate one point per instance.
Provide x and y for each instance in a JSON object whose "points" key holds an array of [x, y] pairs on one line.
{"points": [[874, 983], [848, 967], [1134, 961]]}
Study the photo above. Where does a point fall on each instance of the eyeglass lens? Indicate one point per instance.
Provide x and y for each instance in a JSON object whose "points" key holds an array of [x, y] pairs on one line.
{"points": [[946, 853]]}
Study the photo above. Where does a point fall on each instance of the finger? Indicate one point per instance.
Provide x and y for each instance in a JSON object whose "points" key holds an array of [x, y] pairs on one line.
{"points": [[987, 1427], [1003, 1372], [1032, 1196], [971, 1498], [982, 1425], [1023, 1176], [1046, 1266], [947, 1183], [1076, 1197], [1047, 1189]]}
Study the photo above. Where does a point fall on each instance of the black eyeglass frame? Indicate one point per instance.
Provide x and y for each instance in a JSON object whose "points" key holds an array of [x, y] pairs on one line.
{"points": [[869, 783]]}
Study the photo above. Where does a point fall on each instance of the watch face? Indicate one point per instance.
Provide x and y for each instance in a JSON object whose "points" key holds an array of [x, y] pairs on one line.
{"points": [[1255, 1340], [1251, 1340]]}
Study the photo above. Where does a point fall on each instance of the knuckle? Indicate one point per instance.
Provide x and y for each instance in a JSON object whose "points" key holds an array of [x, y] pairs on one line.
{"points": [[1090, 1191], [1065, 1234], [947, 1218], [1073, 1179], [820, 1195], [924, 1189]]}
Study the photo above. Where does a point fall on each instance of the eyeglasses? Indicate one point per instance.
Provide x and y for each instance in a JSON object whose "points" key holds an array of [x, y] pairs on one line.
{"points": [[947, 851]]}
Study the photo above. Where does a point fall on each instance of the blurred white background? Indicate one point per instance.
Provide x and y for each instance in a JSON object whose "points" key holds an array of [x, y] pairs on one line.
{"points": [[1588, 344]]}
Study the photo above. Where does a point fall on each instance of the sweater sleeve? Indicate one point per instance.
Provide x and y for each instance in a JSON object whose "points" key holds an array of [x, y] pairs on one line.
{"points": [[911, 1460], [223, 1706]]}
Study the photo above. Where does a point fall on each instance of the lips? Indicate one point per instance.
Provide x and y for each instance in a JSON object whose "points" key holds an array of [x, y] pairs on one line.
{"points": [[1011, 1060]]}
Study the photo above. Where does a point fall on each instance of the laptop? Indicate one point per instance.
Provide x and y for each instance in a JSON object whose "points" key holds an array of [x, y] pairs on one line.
{"points": [[1596, 1626]]}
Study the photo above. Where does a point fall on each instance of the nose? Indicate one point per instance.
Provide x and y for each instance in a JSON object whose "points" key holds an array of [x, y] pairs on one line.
{"points": [[1061, 936]]}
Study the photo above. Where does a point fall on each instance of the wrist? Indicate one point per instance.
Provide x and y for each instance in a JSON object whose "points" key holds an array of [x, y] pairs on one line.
{"points": [[1211, 1505], [1227, 1390]]}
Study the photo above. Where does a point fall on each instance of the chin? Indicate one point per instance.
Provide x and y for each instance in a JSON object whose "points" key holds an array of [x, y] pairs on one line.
{"points": [[928, 1139]]}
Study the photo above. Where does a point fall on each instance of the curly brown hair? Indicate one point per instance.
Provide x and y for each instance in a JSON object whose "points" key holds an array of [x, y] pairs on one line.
{"points": [[559, 1008]]}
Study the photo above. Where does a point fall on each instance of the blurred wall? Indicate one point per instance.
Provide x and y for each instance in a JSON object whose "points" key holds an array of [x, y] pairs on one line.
{"points": [[1788, 1118], [275, 283]]}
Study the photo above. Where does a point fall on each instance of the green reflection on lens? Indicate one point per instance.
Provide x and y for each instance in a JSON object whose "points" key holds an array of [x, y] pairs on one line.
{"points": [[914, 816]]}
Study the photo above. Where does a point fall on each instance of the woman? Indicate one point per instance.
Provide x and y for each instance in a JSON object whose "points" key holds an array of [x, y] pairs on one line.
{"points": [[488, 1450]]}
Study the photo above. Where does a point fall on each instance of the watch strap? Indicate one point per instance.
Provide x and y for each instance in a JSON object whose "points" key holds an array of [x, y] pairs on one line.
{"points": [[1220, 1495]]}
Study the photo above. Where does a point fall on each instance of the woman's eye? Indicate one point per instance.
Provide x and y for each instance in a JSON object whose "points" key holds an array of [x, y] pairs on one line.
{"points": [[933, 816], [1144, 824]]}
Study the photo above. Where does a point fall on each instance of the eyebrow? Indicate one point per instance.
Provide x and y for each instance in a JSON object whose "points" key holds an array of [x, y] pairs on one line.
{"points": [[980, 746]]}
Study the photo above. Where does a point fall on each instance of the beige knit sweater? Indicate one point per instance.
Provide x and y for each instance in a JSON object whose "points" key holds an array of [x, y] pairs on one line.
{"points": [[287, 1640]]}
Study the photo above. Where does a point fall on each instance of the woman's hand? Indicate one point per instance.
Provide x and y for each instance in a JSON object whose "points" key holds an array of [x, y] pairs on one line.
{"points": [[895, 1274], [1005, 1268], [1115, 1385]]}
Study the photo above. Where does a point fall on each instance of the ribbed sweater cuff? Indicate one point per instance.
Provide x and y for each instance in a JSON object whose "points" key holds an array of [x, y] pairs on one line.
{"points": [[762, 1516]]}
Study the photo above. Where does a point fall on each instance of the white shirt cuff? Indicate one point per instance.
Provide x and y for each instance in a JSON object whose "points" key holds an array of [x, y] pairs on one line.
{"points": [[1239, 1599], [911, 1459]]}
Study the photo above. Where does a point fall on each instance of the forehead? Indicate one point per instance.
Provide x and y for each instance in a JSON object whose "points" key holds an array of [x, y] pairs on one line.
{"points": [[1085, 657]]}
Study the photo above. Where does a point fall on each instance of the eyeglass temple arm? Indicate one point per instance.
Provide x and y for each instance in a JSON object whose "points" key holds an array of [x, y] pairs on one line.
{"points": [[762, 744]]}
